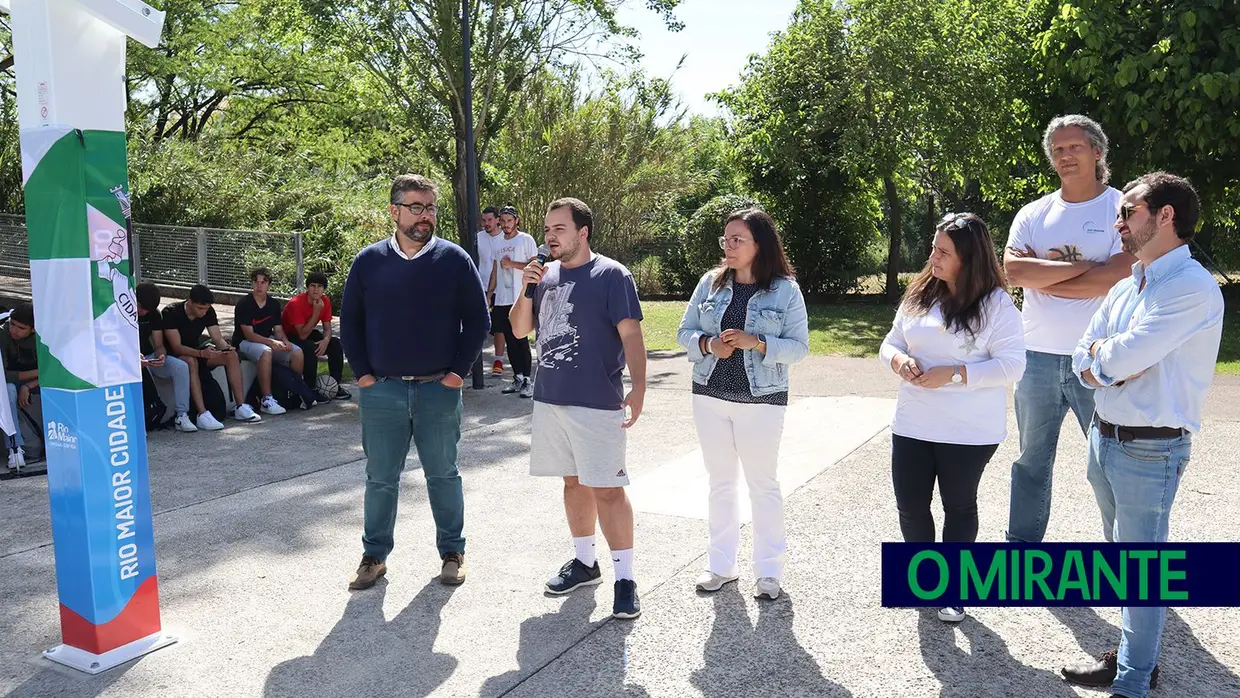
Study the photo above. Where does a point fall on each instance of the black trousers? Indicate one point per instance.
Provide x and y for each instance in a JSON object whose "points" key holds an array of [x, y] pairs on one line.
{"points": [[916, 465], [335, 358], [518, 349]]}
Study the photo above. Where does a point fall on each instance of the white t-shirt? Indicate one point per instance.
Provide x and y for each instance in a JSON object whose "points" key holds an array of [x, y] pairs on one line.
{"points": [[973, 414], [1068, 232], [491, 250]]}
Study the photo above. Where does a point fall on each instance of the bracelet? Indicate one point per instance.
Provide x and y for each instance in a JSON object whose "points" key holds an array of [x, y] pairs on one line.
{"points": [[706, 345]]}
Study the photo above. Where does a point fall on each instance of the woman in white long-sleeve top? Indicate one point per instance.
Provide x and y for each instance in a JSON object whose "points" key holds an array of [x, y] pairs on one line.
{"points": [[744, 327], [957, 343]]}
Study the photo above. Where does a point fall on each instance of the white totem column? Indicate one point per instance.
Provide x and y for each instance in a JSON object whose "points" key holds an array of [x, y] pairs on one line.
{"points": [[70, 61]]}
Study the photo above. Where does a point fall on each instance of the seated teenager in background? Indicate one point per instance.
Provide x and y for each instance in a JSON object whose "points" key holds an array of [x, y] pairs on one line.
{"points": [[308, 322], [21, 371], [155, 357], [184, 323]]}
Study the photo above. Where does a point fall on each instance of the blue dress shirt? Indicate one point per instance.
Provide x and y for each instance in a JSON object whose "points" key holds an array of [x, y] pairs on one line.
{"points": [[1157, 344]]}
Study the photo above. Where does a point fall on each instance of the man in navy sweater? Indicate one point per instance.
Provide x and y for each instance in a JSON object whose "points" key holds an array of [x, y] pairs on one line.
{"points": [[413, 319]]}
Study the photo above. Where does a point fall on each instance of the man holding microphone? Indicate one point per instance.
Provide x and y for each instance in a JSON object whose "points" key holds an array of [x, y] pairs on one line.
{"points": [[413, 321], [588, 321]]}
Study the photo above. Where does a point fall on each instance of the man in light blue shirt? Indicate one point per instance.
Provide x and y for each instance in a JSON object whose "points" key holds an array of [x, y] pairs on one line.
{"points": [[1149, 354]]}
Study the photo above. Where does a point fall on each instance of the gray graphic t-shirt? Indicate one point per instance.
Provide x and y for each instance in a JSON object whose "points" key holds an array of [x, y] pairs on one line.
{"points": [[580, 355]]}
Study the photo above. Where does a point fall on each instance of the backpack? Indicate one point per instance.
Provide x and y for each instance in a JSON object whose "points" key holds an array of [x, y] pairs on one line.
{"points": [[153, 407]]}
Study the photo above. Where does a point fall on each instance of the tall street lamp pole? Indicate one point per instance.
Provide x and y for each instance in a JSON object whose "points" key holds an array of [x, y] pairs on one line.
{"points": [[470, 236]]}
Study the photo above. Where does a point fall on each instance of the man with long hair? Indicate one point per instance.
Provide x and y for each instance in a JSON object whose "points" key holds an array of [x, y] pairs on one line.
{"points": [[1062, 251], [588, 322]]}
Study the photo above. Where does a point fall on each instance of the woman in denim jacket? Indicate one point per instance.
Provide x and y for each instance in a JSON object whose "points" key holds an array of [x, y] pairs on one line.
{"points": [[745, 325]]}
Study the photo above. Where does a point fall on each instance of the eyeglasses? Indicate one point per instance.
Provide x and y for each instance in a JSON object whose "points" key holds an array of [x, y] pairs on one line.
{"points": [[726, 242], [1126, 211], [417, 209]]}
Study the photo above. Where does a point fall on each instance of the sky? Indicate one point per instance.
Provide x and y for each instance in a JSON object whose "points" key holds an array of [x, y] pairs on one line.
{"points": [[717, 40]]}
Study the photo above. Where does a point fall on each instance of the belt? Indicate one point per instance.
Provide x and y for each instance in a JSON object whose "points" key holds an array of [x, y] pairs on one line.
{"points": [[434, 378], [1112, 431]]}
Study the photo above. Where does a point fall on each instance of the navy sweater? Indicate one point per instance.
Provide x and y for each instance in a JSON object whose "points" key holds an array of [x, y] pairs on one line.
{"points": [[418, 317]]}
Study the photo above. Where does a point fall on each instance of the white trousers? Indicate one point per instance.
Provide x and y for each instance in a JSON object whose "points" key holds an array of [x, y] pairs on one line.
{"points": [[728, 430]]}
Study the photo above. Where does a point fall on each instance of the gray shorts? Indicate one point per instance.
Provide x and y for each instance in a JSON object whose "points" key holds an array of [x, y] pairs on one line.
{"points": [[254, 351], [578, 441]]}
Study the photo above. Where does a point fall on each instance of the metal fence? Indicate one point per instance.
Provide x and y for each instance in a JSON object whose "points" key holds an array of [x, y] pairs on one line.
{"points": [[221, 259]]}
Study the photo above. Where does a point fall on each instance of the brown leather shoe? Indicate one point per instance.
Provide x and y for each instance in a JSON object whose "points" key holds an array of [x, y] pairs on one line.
{"points": [[453, 571], [1101, 673], [368, 573]]}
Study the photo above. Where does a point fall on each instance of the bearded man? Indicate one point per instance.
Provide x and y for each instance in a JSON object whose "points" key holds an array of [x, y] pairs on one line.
{"points": [[413, 321]]}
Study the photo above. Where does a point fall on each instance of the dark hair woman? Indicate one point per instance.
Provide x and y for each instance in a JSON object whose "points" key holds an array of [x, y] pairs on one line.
{"points": [[957, 342], [744, 326]]}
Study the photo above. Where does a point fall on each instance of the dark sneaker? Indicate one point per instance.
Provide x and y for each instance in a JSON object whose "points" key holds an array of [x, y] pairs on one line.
{"points": [[342, 394], [321, 398], [368, 573], [626, 605], [1101, 673], [573, 575], [513, 387], [453, 570]]}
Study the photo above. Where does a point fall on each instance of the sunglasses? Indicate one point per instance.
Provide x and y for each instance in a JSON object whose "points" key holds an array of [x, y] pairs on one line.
{"points": [[1126, 211], [955, 221]]}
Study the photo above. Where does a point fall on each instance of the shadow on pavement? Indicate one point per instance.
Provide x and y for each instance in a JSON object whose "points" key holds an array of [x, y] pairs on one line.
{"points": [[57, 680], [367, 655], [987, 668], [1186, 667], [763, 659]]}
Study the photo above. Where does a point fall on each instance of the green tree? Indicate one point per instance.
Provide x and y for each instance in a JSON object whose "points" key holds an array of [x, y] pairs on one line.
{"points": [[1163, 78], [413, 48]]}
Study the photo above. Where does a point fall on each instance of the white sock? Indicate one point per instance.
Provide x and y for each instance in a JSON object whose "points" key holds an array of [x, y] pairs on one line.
{"points": [[500, 357], [623, 562], [585, 550]]}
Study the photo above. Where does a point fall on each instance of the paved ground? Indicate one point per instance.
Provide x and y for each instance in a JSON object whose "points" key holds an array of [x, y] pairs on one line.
{"points": [[258, 527]]}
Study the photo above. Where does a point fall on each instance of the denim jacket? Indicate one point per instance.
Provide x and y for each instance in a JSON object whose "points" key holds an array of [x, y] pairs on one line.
{"points": [[777, 316]]}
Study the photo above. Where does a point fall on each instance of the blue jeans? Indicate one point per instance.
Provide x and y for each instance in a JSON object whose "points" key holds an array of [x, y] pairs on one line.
{"points": [[1043, 396], [16, 439], [393, 412], [1135, 484]]}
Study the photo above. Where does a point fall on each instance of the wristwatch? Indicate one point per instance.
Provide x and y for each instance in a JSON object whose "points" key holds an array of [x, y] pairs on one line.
{"points": [[956, 377]]}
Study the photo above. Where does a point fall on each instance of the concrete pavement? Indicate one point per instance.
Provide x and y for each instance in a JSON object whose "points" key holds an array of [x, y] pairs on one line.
{"points": [[258, 528]]}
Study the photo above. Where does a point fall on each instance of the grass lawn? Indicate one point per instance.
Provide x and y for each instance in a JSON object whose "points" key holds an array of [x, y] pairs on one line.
{"points": [[857, 329], [843, 329]]}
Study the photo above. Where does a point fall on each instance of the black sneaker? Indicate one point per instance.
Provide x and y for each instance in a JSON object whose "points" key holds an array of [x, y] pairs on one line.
{"points": [[1100, 673], [513, 387], [626, 605], [321, 398], [342, 394], [573, 575]]}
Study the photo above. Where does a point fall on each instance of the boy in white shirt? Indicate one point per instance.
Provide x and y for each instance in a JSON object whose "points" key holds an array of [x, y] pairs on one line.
{"points": [[488, 238], [509, 252], [1065, 253]]}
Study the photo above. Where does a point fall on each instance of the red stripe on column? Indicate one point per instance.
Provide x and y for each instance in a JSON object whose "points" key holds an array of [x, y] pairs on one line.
{"points": [[139, 619]]}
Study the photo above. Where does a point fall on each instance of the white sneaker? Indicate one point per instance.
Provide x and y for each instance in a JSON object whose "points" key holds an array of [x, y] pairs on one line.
{"points": [[527, 388], [207, 421], [245, 413], [951, 614], [270, 406], [17, 458], [767, 587], [709, 581], [185, 424]]}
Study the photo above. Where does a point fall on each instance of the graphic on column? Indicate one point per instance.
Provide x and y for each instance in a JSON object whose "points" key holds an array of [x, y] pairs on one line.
{"points": [[86, 322]]}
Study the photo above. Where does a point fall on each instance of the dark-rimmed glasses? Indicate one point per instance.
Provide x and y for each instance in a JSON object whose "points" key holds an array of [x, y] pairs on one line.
{"points": [[417, 209]]}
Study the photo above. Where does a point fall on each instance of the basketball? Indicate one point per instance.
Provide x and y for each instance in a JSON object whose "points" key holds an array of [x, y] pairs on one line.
{"points": [[328, 386]]}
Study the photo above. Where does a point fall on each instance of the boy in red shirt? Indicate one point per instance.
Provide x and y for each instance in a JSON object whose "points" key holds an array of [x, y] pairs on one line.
{"points": [[307, 320]]}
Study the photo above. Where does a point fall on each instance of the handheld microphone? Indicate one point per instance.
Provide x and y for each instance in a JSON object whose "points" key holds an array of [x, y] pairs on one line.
{"points": [[543, 253]]}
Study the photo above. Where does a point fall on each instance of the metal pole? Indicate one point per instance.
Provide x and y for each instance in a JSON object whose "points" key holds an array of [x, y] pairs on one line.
{"points": [[202, 256], [299, 251], [470, 237]]}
